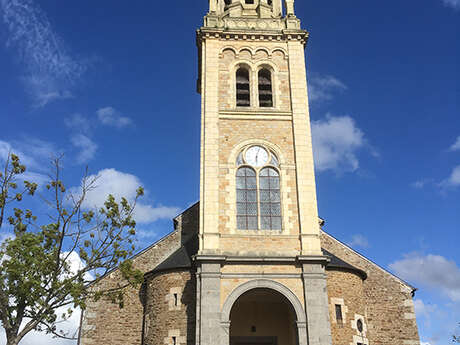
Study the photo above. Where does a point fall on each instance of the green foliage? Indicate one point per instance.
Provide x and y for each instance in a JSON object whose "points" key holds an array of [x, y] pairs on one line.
{"points": [[36, 273]]}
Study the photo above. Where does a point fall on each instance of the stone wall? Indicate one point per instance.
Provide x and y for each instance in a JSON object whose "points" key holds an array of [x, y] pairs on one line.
{"points": [[104, 322], [345, 289], [170, 309], [389, 309]]}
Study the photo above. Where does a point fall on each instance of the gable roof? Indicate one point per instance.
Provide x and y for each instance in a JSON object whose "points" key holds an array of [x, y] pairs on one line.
{"points": [[395, 277], [337, 263], [177, 260]]}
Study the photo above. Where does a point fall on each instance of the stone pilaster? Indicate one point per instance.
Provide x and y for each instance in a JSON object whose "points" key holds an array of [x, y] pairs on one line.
{"points": [[316, 301], [210, 316]]}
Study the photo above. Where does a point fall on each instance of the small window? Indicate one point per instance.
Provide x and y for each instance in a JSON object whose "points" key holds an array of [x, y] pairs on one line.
{"points": [[338, 313], [249, 2], [243, 98], [270, 2], [175, 300], [359, 325], [265, 88]]}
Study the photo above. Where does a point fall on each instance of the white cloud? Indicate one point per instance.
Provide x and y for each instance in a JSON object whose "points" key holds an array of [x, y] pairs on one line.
{"points": [[336, 141], [87, 147], [149, 214], [424, 310], [321, 88], [456, 146], [119, 184], [35, 154], [422, 183], [111, 117], [453, 180], [358, 241], [41, 338], [78, 122], [50, 70], [432, 271], [455, 4]]}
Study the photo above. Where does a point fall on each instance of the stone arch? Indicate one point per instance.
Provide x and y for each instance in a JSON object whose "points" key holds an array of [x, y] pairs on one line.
{"points": [[228, 48], [281, 50], [264, 284], [237, 149], [262, 49], [247, 50]]}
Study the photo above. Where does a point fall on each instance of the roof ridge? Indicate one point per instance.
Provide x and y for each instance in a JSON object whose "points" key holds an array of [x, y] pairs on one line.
{"points": [[370, 261]]}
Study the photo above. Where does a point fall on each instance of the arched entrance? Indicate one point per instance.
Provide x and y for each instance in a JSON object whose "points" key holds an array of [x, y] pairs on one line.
{"points": [[263, 312], [262, 317]]}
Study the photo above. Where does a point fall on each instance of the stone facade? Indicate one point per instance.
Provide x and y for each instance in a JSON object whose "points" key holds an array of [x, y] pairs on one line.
{"points": [[382, 301], [169, 314], [389, 307], [212, 265], [104, 322]]}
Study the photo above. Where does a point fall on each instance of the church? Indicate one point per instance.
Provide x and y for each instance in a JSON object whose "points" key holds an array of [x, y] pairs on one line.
{"points": [[250, 263]]}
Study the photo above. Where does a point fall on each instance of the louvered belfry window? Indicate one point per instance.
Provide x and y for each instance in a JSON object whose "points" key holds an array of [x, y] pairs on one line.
{"points": [[258, 194], [265, 88], [243, 98]]}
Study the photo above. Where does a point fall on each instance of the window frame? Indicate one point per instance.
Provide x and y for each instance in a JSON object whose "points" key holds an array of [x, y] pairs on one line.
{"points": [[240, 162], [250, 86], [268, 69]]}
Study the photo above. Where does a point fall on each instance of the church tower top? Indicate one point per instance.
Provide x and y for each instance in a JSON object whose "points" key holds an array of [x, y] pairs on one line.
{"points": [[266, 15]]}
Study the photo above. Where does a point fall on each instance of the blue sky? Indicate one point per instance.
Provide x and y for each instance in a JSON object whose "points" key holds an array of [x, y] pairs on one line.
{"points": [[112, 85]]}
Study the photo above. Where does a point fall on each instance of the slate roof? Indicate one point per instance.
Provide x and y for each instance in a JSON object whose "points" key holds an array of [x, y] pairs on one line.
{"points": [[181, 259], [177, 260], [337, 263]]}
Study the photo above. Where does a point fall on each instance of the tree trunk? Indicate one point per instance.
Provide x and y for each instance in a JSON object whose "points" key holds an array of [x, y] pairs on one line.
{"points": [[12, 339]]}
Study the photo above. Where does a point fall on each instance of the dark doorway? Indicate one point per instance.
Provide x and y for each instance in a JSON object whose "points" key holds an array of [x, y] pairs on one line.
{"points": [[253, 341], [262, 317]]}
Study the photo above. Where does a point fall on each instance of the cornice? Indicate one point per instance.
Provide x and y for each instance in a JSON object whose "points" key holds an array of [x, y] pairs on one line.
{"points": [[205, 33], [303, 259]]}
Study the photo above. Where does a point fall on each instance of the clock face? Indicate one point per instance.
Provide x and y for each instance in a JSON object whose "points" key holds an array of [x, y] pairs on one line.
{"points": [[256, 156]]}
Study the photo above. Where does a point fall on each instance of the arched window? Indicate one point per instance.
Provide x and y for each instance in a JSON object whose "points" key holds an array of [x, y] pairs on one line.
{"points": [[243, 98], [258, 196], [265, 88], [246, 199], [270, 199]]}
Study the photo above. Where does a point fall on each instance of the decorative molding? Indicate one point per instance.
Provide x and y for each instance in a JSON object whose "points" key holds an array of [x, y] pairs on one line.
{"points": [[244, 116], [261, 275], [262, 284], [253, 35]]}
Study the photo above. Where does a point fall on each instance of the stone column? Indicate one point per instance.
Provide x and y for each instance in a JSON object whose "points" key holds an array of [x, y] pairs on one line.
{"points": [[277, 7], [316, 302], [289, 7], [210, 316], [212, 6]]}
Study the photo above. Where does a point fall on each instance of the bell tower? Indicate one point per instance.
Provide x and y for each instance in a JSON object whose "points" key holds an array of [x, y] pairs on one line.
{"points": [[259, 223]]}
